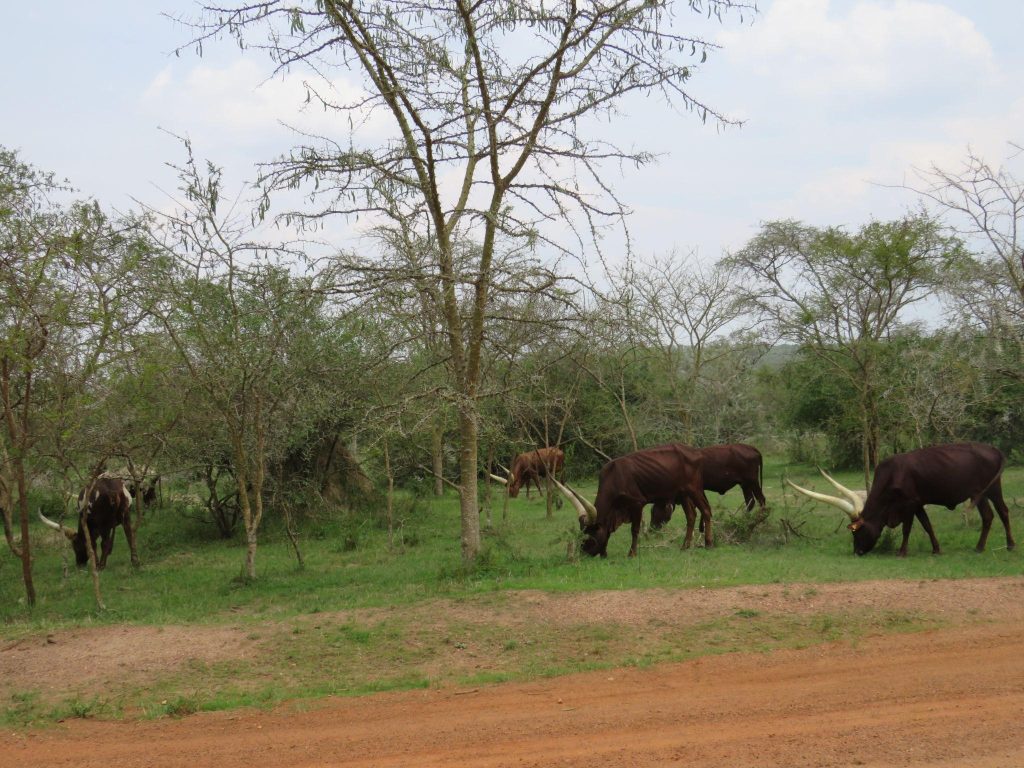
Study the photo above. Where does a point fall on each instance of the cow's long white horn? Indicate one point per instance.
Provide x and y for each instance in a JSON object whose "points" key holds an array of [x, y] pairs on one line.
{"points": [[591, 509], [575, 500], [56, 526], [501, 480], [835, 501], [853, 496]]}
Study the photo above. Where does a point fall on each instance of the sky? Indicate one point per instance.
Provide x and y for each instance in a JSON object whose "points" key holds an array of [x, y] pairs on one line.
{"points": [[840, 100]]}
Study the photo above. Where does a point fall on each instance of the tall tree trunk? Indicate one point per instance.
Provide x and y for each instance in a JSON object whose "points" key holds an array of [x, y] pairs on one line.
{"points": [[18, 434], [470, 514], [248, 517], [390, 505], [26, 548], [7, 484]]}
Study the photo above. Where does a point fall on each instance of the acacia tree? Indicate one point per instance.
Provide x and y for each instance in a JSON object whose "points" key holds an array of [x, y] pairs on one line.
{"points": [[62, 267], [841, 295], [244, 327], [987, 203], [683, 308], [489, 105]]}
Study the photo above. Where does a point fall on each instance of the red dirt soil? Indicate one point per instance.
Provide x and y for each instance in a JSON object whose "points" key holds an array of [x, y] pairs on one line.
{"points": [[951, 697]]}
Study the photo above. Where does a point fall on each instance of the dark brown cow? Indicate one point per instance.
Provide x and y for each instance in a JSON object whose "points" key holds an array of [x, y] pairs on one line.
{"points": [[667, 474], [725, 467], [940, 474], [534, 465], [108, 506]]}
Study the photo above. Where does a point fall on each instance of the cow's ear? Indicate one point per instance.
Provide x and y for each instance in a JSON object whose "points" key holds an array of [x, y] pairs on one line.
{"points": [[855, 525]]}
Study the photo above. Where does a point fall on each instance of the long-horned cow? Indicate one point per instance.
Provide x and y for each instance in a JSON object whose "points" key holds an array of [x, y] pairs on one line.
{"points": [[725, 467], [940, 474], [102, 506], [667, 474], [533, 465]]}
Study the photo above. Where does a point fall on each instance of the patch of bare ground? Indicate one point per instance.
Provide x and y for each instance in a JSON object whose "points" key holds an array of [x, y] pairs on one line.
{"points": [[83, 661], [935, 699], [506, 635]]}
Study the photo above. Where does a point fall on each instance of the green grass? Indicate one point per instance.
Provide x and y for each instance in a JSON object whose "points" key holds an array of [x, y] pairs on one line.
{"points": [[307, 647], [189, 576]]}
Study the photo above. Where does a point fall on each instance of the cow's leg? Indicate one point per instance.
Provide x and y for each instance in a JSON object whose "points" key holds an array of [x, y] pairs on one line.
{"points": [[995, 494], [985, 510], [705, 517], [129, 532], [635, 520], [691, 521], [748, 497], [926, 523], [908, 523], [108, 546], [536, 482], [755, 488]]}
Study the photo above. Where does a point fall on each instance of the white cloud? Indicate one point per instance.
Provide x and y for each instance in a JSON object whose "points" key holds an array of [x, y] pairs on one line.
{"points": [[893, 50], [237, 99]]}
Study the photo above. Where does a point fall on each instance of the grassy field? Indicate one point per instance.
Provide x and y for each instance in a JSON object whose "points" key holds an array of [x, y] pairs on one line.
{"points": [[363, 615]]}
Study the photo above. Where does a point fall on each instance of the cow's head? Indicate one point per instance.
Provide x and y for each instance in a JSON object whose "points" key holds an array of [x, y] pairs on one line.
{"points": [[515, 482], [596, 539], [661, 513], [852, 503], [865, 535], [77, 538]]}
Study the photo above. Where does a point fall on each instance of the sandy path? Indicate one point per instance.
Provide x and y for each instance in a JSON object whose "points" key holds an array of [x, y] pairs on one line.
{"points": [[940, 698]]}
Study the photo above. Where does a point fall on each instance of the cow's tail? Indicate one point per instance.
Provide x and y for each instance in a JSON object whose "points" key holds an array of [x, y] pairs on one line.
{"points": [[998, 474]]}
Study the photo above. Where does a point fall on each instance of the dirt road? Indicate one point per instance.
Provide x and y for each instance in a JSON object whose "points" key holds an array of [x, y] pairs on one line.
{"points": [[940, 698]]}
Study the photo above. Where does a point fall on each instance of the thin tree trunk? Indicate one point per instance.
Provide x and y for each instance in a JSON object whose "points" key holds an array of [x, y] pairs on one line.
{"points": [[625, 414], [7, 498], [18, 436], [241, 481], [83, 525], [26, 547], [437, 455], [391, 495], [488, 484], [293, 535]]}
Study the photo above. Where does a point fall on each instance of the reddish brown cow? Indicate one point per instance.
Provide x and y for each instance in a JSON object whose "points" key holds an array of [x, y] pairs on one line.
{"points": [[534, 465], [667, 474], [725, 467], [940, 474]]}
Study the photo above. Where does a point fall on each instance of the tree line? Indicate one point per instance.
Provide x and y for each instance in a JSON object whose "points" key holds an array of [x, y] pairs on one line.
{"points": [[483, 312]]}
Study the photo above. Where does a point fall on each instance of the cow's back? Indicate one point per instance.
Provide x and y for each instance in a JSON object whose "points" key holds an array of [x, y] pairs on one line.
{"points": [[663, 473], [944, 474], [726, 466]]}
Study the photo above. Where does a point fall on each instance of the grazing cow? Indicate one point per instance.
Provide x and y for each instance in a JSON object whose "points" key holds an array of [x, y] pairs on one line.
{"points": [[108, 505], [940, 474], [725, 467], [667, 474], [534, 465]]}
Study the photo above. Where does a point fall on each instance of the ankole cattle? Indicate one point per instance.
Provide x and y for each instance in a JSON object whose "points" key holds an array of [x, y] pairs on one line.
{"points": [[940, 474], [724, 467], [534, 465], [107, 506], [668, 474]]}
